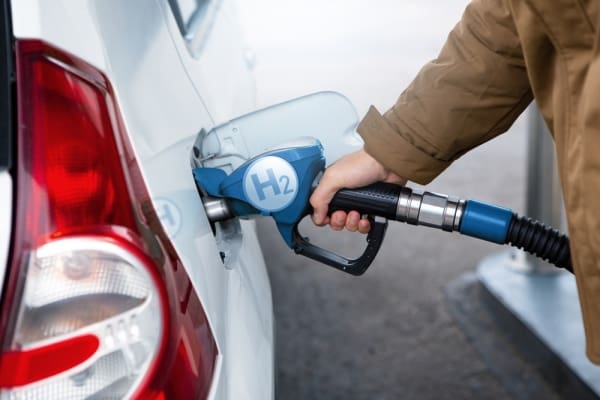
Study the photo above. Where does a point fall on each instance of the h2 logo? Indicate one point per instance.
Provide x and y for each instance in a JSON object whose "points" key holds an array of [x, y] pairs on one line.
{"points": [[270, 184]]}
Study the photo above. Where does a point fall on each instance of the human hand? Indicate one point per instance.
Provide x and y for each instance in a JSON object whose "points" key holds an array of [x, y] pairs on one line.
{"points": [[351, 171]]}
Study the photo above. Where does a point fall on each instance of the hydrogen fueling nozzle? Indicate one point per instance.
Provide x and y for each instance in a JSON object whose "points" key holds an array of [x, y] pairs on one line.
{"points": [[278, 183]]}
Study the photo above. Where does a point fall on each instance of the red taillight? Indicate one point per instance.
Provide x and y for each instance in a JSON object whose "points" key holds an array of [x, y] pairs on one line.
{"points": [[85, 286], [71, 155], [23, 367], [78, 161]]}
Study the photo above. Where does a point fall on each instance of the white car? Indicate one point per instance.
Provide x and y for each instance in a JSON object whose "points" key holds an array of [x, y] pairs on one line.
{"points": [[113, 283]]}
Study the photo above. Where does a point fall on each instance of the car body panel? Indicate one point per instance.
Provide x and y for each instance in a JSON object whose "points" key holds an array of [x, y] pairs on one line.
{"points": [[218, 68], [166, 95]]}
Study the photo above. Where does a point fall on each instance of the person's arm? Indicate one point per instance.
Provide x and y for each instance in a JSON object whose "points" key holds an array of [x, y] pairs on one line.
{"points": [[471, 93]]}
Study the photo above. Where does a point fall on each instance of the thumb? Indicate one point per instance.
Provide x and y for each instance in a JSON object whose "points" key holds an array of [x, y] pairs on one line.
{"points": [[319, 201]]}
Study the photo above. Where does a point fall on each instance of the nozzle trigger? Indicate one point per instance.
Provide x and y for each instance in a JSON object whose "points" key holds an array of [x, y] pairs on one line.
{"points": [[357, 266]]}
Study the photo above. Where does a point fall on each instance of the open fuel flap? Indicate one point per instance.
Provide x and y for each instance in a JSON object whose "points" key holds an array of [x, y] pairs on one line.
{"points": [[328, 116]]}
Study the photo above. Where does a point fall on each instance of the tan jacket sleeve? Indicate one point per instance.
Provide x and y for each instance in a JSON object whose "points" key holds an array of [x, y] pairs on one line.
{"points": [[471, 93]]}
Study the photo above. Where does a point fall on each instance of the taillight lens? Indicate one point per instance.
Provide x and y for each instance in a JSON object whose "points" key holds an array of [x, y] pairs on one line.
{"points": [[87, 287], [87, 311]]}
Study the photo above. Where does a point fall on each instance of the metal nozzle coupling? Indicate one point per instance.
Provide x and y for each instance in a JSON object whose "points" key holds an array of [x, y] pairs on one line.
{"points": [[216, 209], [419, 207]]}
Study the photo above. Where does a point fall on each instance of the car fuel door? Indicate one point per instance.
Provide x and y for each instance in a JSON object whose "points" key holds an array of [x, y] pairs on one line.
{"points": [[327, 116]]}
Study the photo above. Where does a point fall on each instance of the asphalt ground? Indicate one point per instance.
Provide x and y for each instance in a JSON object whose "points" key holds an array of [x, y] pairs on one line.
{"points": [[390, 333]]}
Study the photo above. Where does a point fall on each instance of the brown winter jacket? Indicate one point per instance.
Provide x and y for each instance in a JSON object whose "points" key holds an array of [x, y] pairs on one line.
{"points": [[499, 56]]}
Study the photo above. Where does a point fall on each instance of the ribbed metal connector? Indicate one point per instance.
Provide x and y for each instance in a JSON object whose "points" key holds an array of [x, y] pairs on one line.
{"points": [[435, 210]]}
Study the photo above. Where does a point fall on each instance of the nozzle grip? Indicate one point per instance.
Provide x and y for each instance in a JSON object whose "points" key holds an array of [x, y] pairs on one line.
{"points": [[356, 266], [379, 199]]}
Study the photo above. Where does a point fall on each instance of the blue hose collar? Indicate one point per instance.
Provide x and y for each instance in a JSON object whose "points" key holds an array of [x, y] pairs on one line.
{"points": [[485, 221]]}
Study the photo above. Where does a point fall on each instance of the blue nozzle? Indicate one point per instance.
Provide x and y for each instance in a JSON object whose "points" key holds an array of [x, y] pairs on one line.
{"points": [[277, 183]]}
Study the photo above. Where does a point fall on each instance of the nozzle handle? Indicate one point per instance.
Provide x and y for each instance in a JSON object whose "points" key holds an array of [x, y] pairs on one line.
{"points": [[355, 266], [377, 199]]}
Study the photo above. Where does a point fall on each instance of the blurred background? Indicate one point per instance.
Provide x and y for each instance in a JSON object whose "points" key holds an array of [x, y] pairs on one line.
{"points": [[388, 334]]}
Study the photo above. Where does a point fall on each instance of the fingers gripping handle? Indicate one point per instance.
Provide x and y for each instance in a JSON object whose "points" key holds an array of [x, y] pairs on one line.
{"points": [[377, 199]]}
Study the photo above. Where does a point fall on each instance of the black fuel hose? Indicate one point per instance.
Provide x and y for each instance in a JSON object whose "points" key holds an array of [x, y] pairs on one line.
{"points": [[544, 242]]}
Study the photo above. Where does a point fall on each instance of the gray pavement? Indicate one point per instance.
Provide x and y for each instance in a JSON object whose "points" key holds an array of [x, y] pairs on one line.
{"points": [[506, 344], [388, 334]]}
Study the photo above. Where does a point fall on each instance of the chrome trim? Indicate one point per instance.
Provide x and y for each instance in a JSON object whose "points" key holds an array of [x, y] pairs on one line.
{"points": [[435, 210], [460, 209], [216, 209], [403, 203], [414, 207]]}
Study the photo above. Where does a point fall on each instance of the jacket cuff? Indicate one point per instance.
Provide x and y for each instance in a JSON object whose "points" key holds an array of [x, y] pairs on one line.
{"points": [[396, 152]]}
